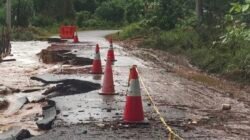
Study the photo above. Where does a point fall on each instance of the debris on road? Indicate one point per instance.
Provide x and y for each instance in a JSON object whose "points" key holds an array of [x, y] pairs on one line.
{"points": [[7, 60], [15, 133], [31, 89], [55, 54], [3, 103], [17, 105], [36, 98], [5, 90], [49, 115], [58, 40], [67, 87], [226, 107], [87, 114]]}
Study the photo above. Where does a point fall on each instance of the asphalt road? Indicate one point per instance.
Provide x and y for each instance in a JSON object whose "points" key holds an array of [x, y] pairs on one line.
{"points": [[192, 109]]}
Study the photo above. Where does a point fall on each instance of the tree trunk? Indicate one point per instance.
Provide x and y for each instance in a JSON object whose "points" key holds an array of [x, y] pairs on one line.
{"points": [[199, 10], [8, 14]]}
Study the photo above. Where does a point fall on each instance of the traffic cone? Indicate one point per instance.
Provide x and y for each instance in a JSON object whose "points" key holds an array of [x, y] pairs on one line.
{"points": [[129, 78], [76, 40], [110, 54], [108, 82], [133, 112], [97, 64]]}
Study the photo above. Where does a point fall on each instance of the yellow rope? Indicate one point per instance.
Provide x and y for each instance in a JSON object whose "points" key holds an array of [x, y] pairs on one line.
{"points": [[172, 134]]}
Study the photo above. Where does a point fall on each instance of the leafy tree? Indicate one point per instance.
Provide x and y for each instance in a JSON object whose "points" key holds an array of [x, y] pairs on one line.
{"points": [[134, 10], [111, 10], [22, 12], [85, 5], [57, 9], [169, 12]]}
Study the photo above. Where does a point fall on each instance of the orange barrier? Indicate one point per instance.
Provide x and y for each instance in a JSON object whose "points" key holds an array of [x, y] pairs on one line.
{"points": [[67, 32]]}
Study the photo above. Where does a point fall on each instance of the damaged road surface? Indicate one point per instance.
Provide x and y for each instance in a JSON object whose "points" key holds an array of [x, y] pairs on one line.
{"points": [[60, 72], [49, 115], [15, 134], [18, 104]]}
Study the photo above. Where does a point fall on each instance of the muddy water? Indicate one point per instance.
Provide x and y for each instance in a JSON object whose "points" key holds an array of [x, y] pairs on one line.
{"points": [[192, 109], [16, 75], [74, 109]]}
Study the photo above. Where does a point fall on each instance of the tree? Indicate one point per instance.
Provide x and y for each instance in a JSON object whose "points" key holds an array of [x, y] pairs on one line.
{"points": [[22, 12], [56, 9], [85, 5], [134, 10], [111, 10], [199, 10], [169, 12]]}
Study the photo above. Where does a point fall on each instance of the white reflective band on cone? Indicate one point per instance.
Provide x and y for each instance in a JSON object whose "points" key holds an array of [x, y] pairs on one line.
{"points": [[111, 46], [134, 88], [97, 56]]}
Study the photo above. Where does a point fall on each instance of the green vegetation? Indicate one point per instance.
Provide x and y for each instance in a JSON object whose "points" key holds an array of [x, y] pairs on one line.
{"points": [[32, 16], [216, 38], [213, 34]]}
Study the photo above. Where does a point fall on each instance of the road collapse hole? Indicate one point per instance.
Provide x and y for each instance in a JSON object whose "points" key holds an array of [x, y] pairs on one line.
{"points": [[60, 54], [68, 87]]}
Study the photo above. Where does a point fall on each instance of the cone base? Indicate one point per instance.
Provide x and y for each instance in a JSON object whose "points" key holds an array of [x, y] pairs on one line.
{"points": [[95, 73], [133, 111], [111, 61], [144, 122], [108, 94]]}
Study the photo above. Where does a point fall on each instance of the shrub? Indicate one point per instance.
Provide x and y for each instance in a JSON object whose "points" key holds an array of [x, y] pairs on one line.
{"points": [[82, 17], [132, 30], [41, 21], [111, 11]]}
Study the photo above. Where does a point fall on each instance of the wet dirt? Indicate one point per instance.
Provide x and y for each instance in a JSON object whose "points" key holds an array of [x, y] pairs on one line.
{"points": [[191, 100], [193, 109], [55, 54], [3, 103]]}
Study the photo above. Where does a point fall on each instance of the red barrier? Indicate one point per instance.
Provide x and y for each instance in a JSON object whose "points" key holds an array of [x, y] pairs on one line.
{"points": [[67, 32]]}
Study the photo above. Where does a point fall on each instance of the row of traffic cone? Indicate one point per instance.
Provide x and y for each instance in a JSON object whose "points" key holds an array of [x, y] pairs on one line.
{"points": [[133, 112]]}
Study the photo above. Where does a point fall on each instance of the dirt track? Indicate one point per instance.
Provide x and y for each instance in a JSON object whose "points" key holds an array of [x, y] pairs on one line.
{"points": [[192, 109]]}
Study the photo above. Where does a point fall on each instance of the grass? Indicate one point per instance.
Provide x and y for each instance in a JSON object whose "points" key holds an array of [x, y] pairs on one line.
{"points": [[228, 60], [32, 33]]}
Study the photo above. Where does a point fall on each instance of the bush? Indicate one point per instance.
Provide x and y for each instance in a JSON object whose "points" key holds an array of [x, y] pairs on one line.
{"points": [[177, 39], [22, 13], [110, 10], [132, 30], [134, 10], [82, 17], [23, 35], [41, 21]]}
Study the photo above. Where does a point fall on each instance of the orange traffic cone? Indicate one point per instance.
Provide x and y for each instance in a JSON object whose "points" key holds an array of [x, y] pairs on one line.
{"points": [[97, 64], [108, 82], [76, 40], [133, 112], [129, 78], [110, 54]]}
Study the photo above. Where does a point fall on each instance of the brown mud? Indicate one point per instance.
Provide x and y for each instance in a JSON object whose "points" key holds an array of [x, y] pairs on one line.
{"points": [[197, 96], [190, 101]]}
